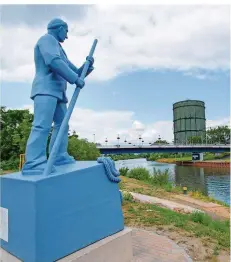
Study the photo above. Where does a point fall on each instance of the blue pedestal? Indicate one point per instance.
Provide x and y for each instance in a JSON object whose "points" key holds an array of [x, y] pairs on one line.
{"points": [[54, 216]]}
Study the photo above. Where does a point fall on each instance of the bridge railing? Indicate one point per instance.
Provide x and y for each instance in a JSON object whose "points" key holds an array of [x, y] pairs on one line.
{"points": [[166, 146]]}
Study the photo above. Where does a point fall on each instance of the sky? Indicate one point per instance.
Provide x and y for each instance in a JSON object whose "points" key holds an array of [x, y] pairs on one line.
{"points": [[147, 58]]}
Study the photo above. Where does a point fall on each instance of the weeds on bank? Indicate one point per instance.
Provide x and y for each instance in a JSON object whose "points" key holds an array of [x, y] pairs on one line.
{"points": [[198, 224], [146, 182], [199, 195], [141, 180]]}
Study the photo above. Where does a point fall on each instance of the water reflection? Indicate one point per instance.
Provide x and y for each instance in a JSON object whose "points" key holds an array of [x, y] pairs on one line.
{"points": [[192, 177], [213, 182]]}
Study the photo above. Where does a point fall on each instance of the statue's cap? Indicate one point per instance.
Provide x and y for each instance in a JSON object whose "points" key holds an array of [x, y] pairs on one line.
{"points": [[56, 22]]}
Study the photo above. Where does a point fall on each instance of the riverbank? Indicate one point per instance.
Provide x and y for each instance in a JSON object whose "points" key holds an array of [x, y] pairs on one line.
{"points": [[220, 164], [203, 238], [204, 235], [215, 209], [186, 161]]}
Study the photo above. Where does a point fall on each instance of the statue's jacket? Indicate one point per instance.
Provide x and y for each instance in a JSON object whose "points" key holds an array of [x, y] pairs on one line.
{"points": [[50, 63]]}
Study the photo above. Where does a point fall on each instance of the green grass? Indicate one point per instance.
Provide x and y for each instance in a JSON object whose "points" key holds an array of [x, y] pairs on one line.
{"points": [[199, 195], [127, 196], [199, 224], [207, 156]]}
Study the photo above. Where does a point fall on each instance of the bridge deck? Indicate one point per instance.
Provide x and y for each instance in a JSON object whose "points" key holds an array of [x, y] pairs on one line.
{"points": [[115, 149]]}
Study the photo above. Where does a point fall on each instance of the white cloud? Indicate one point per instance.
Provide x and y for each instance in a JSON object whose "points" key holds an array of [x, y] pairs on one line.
{"points": [[130, 38], [218, 122]]}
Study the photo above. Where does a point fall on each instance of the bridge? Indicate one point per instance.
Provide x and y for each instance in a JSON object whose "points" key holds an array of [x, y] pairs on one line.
{"points": [[124, 149]]}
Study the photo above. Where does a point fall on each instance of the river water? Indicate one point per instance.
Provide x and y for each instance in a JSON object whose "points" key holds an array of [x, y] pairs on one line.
{"points": [[214, 182]]}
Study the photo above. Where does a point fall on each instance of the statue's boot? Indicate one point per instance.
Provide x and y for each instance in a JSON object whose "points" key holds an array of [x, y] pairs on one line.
{"points": [[64, 159]]}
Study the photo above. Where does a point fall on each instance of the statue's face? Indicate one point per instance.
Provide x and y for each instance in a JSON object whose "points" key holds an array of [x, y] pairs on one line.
{"points": [[62, 33]]}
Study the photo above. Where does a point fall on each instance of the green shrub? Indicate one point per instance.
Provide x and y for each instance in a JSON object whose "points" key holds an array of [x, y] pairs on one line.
{"points": [[127, 196], [168, 187], [159, 177], [139, 173], [10, 164], [123, 171], [201, 218], [206, 220], [220, 226]]}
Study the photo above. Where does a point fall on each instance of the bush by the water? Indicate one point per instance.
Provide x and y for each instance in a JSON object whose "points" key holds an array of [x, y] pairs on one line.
{"points": [[123, 171], [139, 173], [158, 177]]}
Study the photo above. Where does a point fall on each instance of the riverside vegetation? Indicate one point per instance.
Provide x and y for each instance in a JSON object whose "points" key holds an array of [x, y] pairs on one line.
{"points": [[213, 236], [193, 230], [156, 183]]}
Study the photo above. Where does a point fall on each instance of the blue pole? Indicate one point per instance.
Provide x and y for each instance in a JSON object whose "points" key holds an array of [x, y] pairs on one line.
{"points": [[58, 140]]}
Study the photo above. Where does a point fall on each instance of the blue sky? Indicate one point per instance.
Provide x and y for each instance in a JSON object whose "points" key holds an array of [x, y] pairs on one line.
{"points": [[138, 76]]}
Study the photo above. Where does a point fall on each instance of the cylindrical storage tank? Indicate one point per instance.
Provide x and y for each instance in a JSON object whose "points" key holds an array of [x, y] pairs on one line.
{"points": [[189, 120]]}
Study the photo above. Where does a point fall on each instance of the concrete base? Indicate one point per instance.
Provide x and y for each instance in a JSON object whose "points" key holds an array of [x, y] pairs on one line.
{"points": [[46, 218], [115, 248]]}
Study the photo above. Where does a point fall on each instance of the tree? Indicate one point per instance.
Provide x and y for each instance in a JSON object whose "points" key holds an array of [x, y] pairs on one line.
{"points": [[195, 140], [80, 149], [74, 134], [220, 134], [160, 142], [15, 129]]}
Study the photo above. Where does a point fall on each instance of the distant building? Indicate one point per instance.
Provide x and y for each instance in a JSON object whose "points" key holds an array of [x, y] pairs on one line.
{"points": [[188, 120]]}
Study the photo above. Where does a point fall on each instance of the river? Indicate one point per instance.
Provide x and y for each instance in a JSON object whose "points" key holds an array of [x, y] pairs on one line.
{"points": [[214, 182]]}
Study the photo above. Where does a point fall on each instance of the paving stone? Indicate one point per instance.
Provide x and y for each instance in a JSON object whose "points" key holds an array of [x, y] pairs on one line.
{"points": [[151, 247]]}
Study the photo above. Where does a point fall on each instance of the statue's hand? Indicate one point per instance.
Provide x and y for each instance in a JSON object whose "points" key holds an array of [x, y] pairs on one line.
{"points": [[80, 83], [91, 60]]}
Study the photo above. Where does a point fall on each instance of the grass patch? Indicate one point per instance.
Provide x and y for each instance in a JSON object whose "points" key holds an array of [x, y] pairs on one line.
{"points": [[199, 195], [198, 224], [127, 196], [142, 187]]}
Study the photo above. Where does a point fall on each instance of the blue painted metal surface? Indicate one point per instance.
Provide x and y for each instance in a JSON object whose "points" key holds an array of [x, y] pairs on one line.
{"points": [[53, 216], [53, 71], [163, 149], [64, 125]]}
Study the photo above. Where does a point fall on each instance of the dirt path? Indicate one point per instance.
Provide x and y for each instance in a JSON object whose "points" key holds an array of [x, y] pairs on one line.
{"points": [[214, 210], [186, 204], [149, 247], [197, 248]]}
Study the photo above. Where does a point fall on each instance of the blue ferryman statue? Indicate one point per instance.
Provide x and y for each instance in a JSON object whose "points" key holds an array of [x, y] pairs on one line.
{"points": [[53, 71], [57, 206]]}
